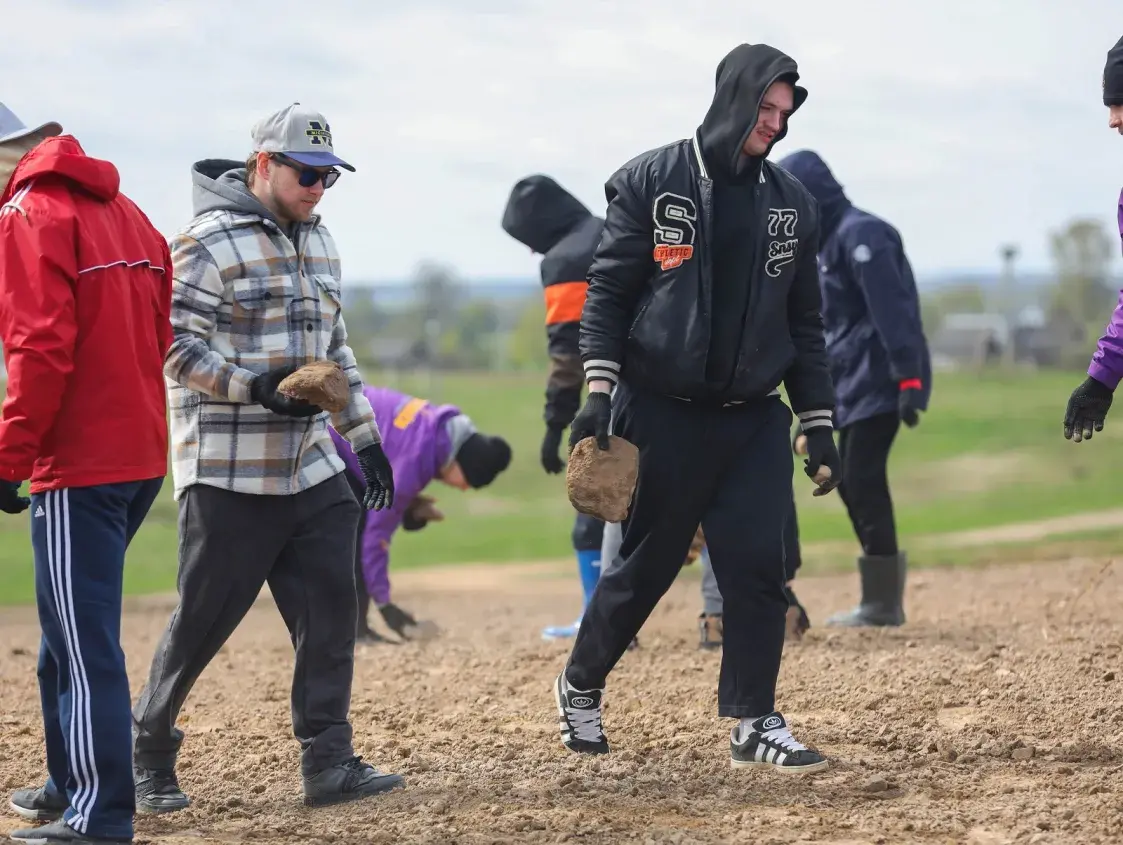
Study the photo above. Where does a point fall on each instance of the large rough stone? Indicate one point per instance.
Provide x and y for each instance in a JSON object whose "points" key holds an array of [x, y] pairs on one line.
{"points": [[601, 483], [322, 383]]}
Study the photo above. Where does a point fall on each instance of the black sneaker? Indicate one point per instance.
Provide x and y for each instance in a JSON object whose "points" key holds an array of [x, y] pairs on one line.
{"points": [[711, 634], [367, 636], [157, 791], [59, 832], [38, 805], [580, 718], [770, 745], [351, 780]]}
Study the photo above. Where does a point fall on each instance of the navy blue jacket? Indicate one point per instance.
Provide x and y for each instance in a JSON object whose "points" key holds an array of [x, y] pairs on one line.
{"points": [[871, 309]]}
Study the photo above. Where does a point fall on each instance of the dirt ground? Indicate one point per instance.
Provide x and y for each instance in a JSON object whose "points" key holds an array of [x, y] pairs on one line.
{"points": [[993, 716]]}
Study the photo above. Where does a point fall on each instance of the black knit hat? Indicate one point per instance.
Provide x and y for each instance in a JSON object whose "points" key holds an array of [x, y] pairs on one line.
{"points": [[1113, 76], [482, 457]]}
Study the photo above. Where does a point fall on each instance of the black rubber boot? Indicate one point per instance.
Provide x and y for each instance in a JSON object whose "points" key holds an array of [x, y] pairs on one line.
{"points": [[883, 590]]}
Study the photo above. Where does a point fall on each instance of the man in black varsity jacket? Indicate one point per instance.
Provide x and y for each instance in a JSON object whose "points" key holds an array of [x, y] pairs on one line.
{"points": [[703, 298]]}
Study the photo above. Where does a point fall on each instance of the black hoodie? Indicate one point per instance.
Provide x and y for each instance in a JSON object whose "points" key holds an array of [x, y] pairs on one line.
{"points": [[548, 219], [743, 77], [678, 279]]}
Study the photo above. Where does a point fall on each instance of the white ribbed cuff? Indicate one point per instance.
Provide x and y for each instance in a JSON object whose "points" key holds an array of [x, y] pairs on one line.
{"points": [[601, 370], [815, 419]]}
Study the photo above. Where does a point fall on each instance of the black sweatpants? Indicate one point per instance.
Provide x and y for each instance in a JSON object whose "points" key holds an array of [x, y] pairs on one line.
{"points": [[864, 448], [730, 469], [362, 597], [230, 545]]}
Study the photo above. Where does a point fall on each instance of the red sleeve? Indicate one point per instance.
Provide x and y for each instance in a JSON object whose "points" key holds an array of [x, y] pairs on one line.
{"points": [[164, 332], [38, 270]]}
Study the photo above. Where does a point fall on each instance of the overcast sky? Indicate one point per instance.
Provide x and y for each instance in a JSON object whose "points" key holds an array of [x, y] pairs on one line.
{"points": [[965, 123]]}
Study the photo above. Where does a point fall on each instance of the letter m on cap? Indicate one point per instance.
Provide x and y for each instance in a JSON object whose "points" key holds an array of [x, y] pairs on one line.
{"points": [[319, 133]]}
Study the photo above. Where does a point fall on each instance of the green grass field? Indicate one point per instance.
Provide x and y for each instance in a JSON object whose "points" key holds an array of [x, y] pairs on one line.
{"points": [[989, 452]]}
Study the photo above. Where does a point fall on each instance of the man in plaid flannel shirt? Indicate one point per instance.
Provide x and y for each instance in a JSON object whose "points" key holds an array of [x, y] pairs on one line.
{"points": [[261, 489]]}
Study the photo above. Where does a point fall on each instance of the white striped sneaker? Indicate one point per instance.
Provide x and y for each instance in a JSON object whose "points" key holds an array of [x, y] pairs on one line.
{"points": [[579, 714], [771, 745]]}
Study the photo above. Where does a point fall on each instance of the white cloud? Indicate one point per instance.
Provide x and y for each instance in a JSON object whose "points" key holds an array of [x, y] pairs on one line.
{"points": [[964, 123]]}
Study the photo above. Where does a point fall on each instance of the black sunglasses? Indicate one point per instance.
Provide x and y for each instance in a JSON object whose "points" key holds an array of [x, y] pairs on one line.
{"points": [[309, 176]]}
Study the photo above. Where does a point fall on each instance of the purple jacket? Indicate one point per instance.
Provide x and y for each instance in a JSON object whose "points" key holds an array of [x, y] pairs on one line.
{"points": [[417, 444], [1107, 362]]}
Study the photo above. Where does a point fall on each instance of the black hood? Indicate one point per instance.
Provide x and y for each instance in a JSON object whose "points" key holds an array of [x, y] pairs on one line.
{"points": [[812, 172], [742, 78], [1113, 76], [540, 212]]}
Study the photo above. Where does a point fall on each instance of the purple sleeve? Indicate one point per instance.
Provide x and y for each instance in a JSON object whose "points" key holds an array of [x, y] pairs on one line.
{"points": [[1107, 362], [377, 532]]}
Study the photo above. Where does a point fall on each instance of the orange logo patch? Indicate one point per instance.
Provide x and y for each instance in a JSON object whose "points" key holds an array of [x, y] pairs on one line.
{"points": [[671, 256]]}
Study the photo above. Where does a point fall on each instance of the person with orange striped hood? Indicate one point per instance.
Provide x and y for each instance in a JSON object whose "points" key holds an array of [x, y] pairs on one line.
{"points": [[551, 222]]}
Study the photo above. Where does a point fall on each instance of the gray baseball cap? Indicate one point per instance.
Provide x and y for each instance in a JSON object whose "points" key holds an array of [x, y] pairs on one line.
{"points": [[301, 134], [12, 128]]}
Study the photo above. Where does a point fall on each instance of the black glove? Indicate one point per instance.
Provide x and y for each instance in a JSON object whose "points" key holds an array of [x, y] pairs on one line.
{"points": [[263, 390], [396, 619], [908, 402], [10, 499], [1087, 409], [551, 445], [379, 477], [419, 513], [821, 451], [592, 421]]}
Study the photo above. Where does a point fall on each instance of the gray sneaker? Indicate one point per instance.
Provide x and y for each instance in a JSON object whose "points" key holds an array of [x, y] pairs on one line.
{"points": [[157, 791], [351, 780], [58, 832], [38, 805]]}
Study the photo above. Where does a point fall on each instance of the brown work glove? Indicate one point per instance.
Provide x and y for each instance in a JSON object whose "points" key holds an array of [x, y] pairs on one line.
{"points": [[696, 546]]}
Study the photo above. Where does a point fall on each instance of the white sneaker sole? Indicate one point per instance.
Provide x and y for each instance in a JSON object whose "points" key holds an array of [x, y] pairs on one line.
{"points": [[33, 815], [784, 770]]}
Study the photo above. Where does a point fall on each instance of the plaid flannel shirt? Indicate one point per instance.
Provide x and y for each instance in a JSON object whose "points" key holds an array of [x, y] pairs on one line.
{"points": [[247, 299]]}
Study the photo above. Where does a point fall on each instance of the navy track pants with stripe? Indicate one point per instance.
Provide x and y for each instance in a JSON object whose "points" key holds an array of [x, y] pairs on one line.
{"points": [[80, 536]]}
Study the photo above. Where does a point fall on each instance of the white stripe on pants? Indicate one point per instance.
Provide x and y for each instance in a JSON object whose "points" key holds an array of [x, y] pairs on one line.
{"points": [[80, 747]]}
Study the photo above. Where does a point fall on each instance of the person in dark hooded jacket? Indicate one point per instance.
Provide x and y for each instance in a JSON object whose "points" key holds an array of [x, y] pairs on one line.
{"points": [[703, 298], [551, 222], [881, 370]]}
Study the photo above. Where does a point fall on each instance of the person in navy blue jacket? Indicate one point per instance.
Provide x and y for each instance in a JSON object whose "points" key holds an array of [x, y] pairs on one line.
{"points": [[881, 370]]}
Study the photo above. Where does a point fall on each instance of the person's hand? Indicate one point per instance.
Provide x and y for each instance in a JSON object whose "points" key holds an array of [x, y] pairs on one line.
{"points": [[551, 447], [592, 420], [263, 390], [822, 465], [396, 619], [1087, 410], [10, 499], [908, 401], [421, 512], [379, 477], [799, 441]]}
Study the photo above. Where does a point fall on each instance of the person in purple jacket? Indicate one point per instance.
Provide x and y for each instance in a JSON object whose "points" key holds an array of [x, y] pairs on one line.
{"points": [[1089, 403], [423, 442]]}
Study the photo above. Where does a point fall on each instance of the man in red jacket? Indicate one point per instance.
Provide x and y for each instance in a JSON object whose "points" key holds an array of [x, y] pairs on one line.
{"points": [[85, 298]]}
